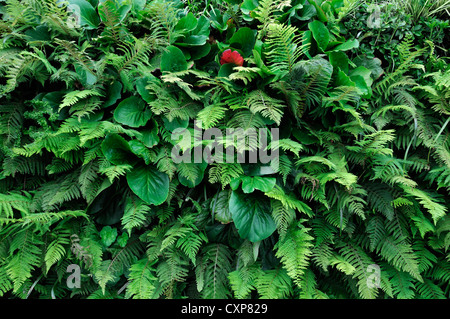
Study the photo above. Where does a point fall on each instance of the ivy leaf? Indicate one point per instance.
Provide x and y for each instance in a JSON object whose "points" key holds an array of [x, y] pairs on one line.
{"points": [[132, 112], [151, 185], [251, 215]]}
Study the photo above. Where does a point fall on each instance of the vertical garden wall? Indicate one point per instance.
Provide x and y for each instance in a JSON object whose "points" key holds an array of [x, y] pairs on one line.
{"points": [[224, 149]]}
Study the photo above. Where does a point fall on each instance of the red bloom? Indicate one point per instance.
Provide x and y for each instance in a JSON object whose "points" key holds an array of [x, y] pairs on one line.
{"points": [[229, 56]]}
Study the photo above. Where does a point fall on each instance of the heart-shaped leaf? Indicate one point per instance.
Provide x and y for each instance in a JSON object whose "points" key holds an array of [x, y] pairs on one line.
{"points": [[133, 112], [151, 185], [251, 215], [244, 39], [173, 60]]}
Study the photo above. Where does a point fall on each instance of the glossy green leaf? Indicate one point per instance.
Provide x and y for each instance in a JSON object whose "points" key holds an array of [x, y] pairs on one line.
{"points": [[108, 235], [251, 215], [187, 23], [122, 240], [113, 93], [243, 39], [219, 207], [141, 84], [85, 12], [348, 45], [362, 77], [151, 185], [249, 183], [133, 112], [116, 150], [173, 60], [320, 34], [339, 60]]}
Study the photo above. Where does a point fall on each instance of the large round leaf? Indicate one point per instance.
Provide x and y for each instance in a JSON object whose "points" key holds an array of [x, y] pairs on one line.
{"points": [[132, 112], [151, 185], [173, 60], [251, 215]]}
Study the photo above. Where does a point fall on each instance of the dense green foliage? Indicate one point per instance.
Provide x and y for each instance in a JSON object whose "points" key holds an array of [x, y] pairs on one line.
{"points": [[91, 92]]}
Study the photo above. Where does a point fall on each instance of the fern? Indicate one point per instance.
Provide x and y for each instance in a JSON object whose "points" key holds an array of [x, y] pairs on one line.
{"points": [[212, 271], [283, 49], [142, 280], [242, 281], [29, 250], [360, 261], [265, 11], [211, 115], [310, 79], [294, 250], [122, 259], [274, 284], [136, 213], [224, 173], [57, 248], [400, 255], [260, 102]]}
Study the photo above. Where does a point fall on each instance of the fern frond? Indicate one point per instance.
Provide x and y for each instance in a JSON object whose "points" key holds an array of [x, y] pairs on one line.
{"points": [[274, 284], [260, 102], [284, 48], [141, 280], [294, 250], [122, 259], [355, 255], [429, 290], [224, 173], [27, 250], [136, 213], [211, 115], [212, 270], [400, 255]]}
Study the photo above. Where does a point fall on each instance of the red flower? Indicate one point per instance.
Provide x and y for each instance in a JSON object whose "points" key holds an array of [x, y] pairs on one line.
{"points": [[229, 56]]}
